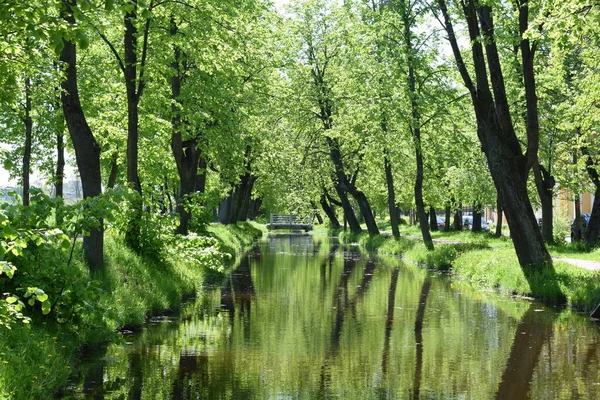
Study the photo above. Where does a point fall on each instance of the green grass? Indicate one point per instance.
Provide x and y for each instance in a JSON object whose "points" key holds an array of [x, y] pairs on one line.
{"points": [[559, 284], [235, 237], [491, 263], [35, 360]]}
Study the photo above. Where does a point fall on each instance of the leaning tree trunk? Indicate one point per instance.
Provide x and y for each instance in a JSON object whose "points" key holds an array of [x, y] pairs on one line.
{"points": [[330, 212], [341, 185], [87, 151], [508, 165]]}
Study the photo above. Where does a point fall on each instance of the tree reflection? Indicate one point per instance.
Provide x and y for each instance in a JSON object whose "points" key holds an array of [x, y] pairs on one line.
{"points": [[389, 322], [532, 332], [239, 288], [342, 304], [419, 335]]}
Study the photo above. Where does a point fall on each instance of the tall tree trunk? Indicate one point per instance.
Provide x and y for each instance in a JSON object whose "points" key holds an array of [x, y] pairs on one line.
{"points": [[415, 125], [59, 175], [28, 136], [544, 181], [186, 153], [433, 219], [508, 165], [330, 212], [341, 186], [87, 151], [458, 223], [592, 231], [114, 171], [499, 217], [389, 179], [476, 218], [545, 186], [245, 195], [447, 217]]}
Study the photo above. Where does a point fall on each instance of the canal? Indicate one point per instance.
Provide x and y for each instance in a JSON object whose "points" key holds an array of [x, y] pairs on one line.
{"points": [[305, 317]]}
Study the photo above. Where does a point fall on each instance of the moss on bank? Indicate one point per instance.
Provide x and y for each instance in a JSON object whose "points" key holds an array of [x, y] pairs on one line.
{"points": [[36, 360], [494, 268]]}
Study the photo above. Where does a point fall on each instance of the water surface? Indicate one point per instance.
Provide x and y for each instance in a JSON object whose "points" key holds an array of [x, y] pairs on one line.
{"points": [[304, 317]]}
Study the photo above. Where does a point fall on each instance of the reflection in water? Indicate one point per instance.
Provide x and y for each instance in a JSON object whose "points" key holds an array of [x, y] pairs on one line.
{"points": [[295, 319], [419, 335], [389, 322], [350, 260], [533, 331], [93, 385], [239, 288]]}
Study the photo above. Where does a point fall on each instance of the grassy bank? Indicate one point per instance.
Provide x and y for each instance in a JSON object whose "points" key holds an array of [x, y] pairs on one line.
{"points": [[36, 359], [491, 263]]}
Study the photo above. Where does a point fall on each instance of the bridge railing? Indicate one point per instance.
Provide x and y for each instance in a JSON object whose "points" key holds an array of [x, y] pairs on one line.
{"points": [[289, 220]]}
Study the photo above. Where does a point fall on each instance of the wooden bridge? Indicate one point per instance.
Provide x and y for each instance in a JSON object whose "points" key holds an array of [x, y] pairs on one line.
{"points": [[289, 221]]}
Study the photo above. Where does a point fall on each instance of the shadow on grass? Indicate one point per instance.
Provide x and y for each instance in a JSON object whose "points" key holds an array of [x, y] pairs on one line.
{"points": [[546, 284]]}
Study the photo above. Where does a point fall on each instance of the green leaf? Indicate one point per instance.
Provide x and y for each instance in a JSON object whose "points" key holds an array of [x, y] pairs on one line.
{"points": [[31, 301], [46, 307], [42, 297], [11, 299], [7, 163]]}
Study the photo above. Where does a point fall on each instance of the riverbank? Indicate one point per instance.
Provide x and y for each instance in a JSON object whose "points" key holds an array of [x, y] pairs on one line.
{"points": [[491, 263], [37, 359]]}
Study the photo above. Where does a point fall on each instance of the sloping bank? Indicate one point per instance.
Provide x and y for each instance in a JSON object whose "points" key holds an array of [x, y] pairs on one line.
{"points": [[37, 359], [495, 268]]}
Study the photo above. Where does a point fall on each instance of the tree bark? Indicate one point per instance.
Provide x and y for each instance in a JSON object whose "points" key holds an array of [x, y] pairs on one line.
{"points": [[508, 165], [28, 137], [186, 153], [447, 218], [592, 231], [341, 186], [476, 218], [114, 172], [59, 176], [433, 219], [458, 223], [544, 183], [330, 212], [499, 217], [87, 151], [415, 125], [389, 179]]}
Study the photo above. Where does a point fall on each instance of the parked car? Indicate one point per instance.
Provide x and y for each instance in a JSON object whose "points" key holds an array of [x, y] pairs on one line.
{"points": [[585, 219], [468, 223], [441, 222]]}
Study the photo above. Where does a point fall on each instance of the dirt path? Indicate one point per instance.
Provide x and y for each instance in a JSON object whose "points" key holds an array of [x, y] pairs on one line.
{"points": [[586, 264]]}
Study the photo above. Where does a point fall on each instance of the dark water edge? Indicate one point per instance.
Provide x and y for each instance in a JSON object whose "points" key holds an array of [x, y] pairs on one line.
{"points": [[304, 317]]}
